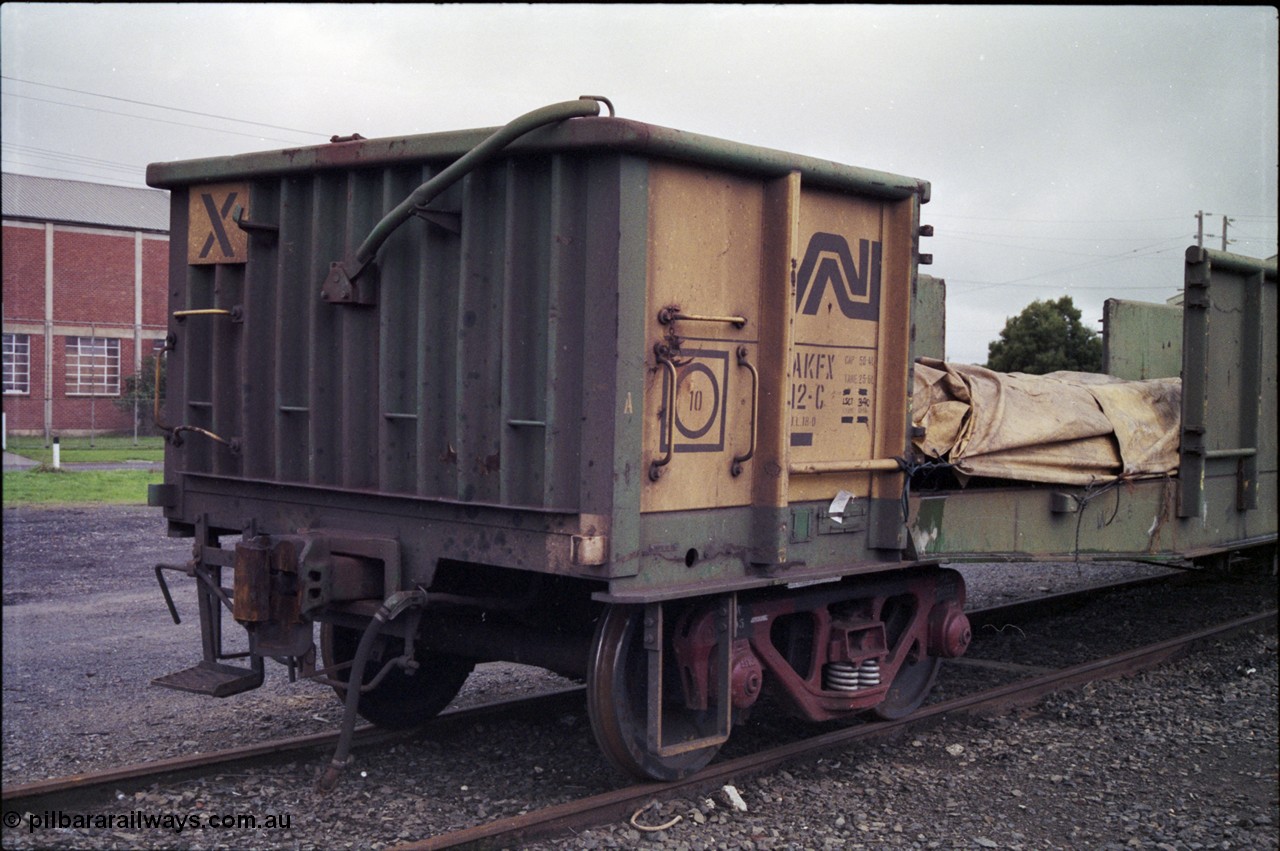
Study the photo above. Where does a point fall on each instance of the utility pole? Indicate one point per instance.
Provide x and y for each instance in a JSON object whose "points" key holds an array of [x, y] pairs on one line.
{"points": [[1200, 228], [1200, 234]]}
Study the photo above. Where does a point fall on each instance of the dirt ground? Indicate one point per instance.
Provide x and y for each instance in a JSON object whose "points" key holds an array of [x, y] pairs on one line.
{"points": [[86, 629]]}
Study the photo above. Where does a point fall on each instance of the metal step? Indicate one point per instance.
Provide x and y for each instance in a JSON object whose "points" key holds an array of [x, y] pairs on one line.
{"points": [[213, 679]]}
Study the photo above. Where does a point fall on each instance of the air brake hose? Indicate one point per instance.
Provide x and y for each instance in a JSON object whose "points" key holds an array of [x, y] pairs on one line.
{"points": [[390, 609], [587, 105]]}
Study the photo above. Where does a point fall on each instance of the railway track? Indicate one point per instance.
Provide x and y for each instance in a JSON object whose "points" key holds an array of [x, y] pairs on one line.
{"points": [[83, 788], [60, 791], [624, 803]]}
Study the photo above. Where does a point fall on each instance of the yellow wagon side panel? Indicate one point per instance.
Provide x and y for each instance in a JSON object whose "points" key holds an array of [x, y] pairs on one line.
{"points": [[704, 260], [851, 342]]}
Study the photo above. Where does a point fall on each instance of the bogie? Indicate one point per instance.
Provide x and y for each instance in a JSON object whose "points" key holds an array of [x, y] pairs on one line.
{"points": [[872, 644]]}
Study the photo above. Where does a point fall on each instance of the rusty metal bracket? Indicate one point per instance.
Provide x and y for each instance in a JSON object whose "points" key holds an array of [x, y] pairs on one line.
{"points": [[344, 286], [726, 618], [449, 220], [262, 229], [315, 563]]}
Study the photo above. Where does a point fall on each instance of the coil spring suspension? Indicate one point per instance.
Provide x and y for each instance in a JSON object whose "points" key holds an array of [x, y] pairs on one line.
{"points": [[847, 676]]}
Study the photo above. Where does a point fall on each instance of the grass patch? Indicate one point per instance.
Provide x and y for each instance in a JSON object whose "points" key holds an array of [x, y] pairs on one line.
{"points": [[45, 486], [75, 450]]}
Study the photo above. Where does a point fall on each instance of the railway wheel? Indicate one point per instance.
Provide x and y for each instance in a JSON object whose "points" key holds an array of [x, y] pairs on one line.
{"points": [[910, 686], [618, 696], [401, 700]]}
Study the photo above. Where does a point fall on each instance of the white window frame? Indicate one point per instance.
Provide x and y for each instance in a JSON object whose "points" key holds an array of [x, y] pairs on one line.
{"points": [[93, 366], [17, 364]]}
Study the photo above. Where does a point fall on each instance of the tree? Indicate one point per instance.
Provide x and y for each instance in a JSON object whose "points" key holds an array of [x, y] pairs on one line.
{"points": [[1047, 336], [139, 392]]}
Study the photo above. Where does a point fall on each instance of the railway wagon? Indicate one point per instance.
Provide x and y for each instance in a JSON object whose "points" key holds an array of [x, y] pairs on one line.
{"points": [[623, 402]]}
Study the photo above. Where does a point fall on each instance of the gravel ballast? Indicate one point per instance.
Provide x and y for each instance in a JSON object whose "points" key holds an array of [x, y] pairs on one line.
{"points": [[1182, 757]]}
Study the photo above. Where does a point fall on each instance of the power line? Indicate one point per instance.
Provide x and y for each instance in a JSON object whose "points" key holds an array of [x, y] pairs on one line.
{"points": [[949, 232], [162, 106], [1044, 250], [1131, 255], [65, 156], [1053, 221], [96, 177], [146, 118]]}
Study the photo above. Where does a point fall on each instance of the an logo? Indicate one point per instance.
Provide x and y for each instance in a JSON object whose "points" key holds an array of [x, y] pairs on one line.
{"points": [[829, 262]]}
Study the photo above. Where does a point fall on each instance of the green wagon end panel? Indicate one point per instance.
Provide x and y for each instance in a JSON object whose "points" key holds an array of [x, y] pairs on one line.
{"points": [[1228, 403], [1141, 340]]}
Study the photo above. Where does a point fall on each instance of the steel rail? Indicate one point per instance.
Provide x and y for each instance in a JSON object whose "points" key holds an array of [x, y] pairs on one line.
{"points": [[76, 785], [91, 783], [619, 803]]}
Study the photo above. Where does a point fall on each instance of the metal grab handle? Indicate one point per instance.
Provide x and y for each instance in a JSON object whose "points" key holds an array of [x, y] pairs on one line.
{"points": [[155, 410], [232, 444], [212, 311], [671, 314], [866, 465], [669, 419], [738, 460], [235, 314], [586, 105], [172, 431]]}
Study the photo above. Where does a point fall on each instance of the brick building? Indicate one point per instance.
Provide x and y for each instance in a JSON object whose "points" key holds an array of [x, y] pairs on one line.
{"points": [[84, 300]]}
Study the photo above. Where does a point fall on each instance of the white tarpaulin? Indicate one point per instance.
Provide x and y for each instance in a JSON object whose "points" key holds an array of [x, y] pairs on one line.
{"points": [[1064, 428]]}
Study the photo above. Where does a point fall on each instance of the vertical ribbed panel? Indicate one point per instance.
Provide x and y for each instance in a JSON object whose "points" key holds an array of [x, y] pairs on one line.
{"points": [[566, 323], [293, 292], [195, 338], [257, 350], [399, 336], [228, 343], [524, 343], [478, 364], [439, 262], [464, 381], [358, 376], [324, 377]]}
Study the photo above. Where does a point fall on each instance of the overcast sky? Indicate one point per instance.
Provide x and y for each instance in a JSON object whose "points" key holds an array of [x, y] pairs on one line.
{"points": [[1069, 148]]}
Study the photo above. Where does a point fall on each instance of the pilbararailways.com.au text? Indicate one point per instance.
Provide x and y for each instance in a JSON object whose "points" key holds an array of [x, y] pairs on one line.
{"points": [[141, 820]]}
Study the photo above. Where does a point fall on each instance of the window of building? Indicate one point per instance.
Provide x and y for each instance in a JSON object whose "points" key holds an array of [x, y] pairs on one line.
{"points": [[17, 364], [93, 366]]}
